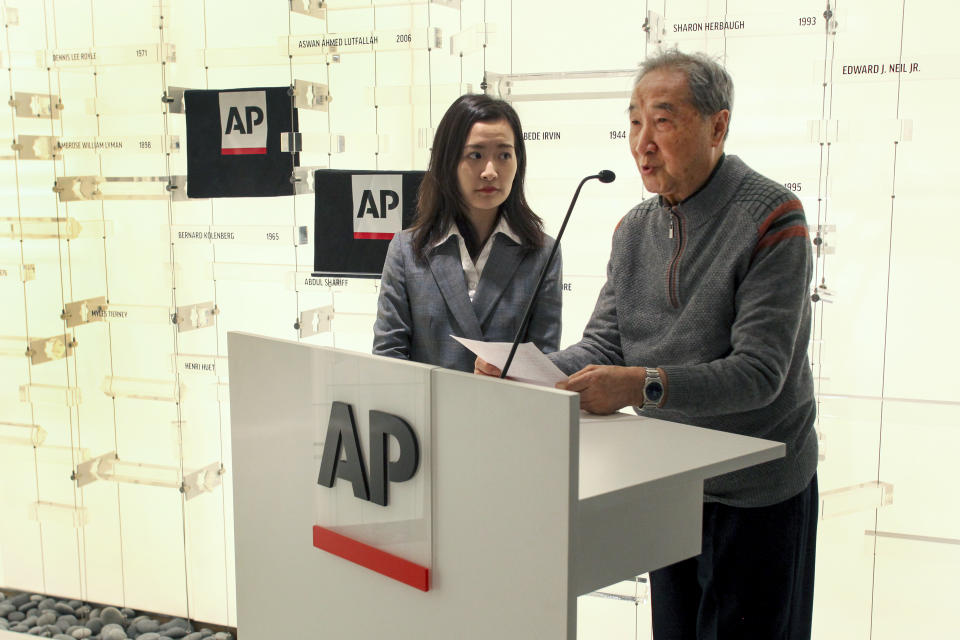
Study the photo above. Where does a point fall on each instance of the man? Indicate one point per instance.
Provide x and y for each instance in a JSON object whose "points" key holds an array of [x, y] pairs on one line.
{"points": [[705, 319]]}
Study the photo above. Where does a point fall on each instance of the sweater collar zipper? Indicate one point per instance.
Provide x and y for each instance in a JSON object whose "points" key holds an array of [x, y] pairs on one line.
{"points": [[673, 281]]}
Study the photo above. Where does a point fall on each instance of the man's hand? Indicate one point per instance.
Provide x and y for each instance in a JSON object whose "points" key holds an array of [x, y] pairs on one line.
{"points": [[605, 389], [483, 368]]}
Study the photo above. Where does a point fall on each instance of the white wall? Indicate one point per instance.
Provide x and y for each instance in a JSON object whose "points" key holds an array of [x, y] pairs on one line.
{"points": [[883, 343]]}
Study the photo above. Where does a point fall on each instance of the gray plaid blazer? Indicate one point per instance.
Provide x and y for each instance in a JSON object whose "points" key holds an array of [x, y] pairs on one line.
{"points": [[422, 304]]}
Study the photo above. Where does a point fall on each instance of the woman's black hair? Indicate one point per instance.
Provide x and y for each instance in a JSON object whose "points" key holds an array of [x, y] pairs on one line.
{"points": [[439, 201]]}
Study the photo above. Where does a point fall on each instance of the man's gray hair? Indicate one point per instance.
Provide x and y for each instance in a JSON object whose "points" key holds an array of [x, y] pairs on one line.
{"points": [[711, 87]]}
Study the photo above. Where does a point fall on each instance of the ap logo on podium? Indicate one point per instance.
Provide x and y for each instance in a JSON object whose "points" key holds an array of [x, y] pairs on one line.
{"points": [[342, 438], [373, 486]]}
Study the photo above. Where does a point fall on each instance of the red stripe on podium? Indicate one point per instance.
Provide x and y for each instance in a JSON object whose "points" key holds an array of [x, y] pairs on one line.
{"points": [[372, 558], [243, 152], [372, 236]]}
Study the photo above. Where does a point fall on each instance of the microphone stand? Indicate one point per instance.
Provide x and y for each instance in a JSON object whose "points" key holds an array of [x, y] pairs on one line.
{"points": [[603, 176]]}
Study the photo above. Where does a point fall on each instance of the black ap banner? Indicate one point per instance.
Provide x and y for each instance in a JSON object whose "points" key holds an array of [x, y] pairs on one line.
{"points": [[233, 142], [357, 213]]}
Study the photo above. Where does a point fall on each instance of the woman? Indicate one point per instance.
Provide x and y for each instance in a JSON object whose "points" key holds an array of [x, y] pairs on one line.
{"points": [[470, 262]]}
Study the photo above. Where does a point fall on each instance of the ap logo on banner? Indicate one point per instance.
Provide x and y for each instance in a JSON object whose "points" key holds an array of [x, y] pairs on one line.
{"points": [[377, 205], [243, 122]]}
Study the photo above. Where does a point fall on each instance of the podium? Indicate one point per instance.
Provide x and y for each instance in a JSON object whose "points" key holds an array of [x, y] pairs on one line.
{"points": [[518, 505]]}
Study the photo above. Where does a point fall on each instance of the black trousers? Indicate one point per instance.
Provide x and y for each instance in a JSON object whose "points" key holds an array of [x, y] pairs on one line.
{"points": [[752, 580]]}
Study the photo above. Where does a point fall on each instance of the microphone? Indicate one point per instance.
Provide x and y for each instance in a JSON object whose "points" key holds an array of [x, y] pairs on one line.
{"points": [[605, 176]]}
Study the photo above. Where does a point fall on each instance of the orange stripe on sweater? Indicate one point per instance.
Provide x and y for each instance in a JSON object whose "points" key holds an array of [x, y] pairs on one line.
{"points": [[786, 207], [792, 232]]}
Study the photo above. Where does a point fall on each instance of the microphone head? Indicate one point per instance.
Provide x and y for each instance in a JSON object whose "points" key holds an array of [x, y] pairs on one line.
{"points": [[607, 176]]}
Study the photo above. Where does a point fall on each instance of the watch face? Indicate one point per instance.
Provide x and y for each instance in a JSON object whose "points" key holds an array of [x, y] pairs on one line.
{"points": [[653, 391]]}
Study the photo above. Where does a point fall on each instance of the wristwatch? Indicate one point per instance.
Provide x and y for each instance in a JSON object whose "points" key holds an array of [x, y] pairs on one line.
{"points": [[652, 388]]}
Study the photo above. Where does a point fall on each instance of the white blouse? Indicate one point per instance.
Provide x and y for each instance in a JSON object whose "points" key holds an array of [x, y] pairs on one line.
{"points": [[473, 270]]}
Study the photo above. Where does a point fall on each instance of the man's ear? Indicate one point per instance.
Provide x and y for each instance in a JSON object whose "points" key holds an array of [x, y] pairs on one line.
{"points": [[719, 121]]}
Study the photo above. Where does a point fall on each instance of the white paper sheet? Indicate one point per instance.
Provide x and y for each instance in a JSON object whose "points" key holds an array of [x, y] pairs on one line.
{"points": [[529, 364]]}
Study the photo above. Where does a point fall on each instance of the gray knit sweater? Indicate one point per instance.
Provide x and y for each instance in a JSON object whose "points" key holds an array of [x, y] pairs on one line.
{"points": [[715, 291]]}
